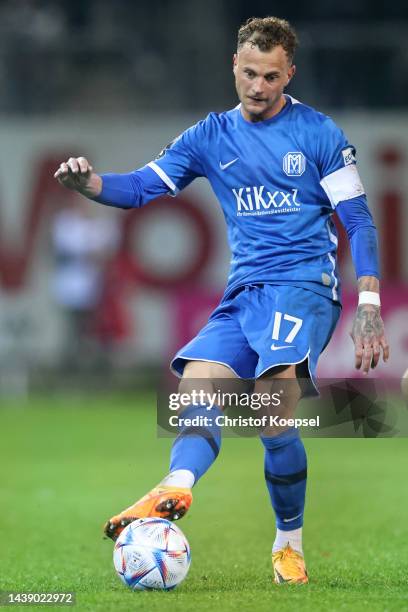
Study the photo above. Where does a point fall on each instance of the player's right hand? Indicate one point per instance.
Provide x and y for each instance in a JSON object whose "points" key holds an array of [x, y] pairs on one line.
{"points": [[75, 173]]}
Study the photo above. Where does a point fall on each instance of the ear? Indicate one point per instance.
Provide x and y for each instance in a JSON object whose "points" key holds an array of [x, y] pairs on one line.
{"points": [[234, 62], [291, 74]]}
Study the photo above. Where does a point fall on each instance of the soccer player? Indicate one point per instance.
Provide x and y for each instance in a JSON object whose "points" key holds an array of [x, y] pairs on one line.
{"points": [[279, 169]]}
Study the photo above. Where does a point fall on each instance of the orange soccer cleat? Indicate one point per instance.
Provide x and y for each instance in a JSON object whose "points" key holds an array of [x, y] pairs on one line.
{"points": [[289, 566], [164, 502]]}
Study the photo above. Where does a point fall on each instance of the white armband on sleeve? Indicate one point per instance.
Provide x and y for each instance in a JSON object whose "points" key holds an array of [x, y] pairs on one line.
{"points": [[343, 184]]}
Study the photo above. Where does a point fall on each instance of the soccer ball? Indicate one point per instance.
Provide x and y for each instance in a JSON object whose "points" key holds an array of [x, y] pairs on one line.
{"points": [[151, 553]]}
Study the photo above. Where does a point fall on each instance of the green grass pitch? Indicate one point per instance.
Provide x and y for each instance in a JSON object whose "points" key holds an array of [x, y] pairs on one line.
{"points": [[67, 465]]}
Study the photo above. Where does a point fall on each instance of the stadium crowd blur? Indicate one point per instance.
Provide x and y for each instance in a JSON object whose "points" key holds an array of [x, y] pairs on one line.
{"points": [[83, 244], [74, 73], [99, 55]]}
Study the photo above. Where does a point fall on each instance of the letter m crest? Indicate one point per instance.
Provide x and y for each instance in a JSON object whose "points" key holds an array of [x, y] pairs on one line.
{"points": [[294, 163]]}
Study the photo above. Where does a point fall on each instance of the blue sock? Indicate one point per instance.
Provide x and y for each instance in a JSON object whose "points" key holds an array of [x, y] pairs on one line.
{"points": [[197, 447], [285, 475]]}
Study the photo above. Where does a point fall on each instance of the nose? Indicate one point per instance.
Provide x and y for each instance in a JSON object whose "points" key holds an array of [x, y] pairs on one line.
{"points": [[257, 86]]}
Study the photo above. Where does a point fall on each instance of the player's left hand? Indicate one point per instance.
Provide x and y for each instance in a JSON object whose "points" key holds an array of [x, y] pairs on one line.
{"points": [[369, 337]]}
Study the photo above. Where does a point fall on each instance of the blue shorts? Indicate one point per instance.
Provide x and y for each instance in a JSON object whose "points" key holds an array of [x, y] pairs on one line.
{"points": [[263, 326]]}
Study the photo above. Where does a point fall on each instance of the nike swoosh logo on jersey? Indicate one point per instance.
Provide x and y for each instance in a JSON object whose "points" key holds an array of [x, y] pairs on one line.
{"points": [[278, 348], [292, 519], [224, 166]]}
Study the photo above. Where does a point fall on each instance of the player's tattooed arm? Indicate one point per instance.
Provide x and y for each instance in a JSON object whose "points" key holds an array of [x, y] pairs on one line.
{"points": [[368, 329], [77, 174]]}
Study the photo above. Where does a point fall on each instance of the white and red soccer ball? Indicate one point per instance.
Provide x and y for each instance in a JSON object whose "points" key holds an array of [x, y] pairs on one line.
{"points": [[151, 553]]}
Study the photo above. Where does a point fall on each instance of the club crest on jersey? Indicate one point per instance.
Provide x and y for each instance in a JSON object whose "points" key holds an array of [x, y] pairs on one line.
{"points": [[294, 163]]}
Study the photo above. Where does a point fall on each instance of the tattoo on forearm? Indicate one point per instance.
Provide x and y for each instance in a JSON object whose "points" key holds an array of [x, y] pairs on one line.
{"points": [[368, 283]]}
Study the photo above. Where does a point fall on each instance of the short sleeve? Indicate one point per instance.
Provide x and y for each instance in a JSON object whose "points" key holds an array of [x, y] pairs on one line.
{"points": [[336, 159], [180, 162]]}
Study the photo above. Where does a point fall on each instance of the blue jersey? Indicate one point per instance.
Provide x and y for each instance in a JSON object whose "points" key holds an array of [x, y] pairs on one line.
{"points": [[278, 182]]}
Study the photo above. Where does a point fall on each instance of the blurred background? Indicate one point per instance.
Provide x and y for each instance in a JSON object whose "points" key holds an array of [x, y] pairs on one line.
{"points": [[91, 297]]}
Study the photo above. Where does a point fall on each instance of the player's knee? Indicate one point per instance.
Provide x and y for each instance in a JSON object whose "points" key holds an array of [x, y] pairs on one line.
{"points": [[282, 385], [280, 377], [204, 379], [195, 387]]}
